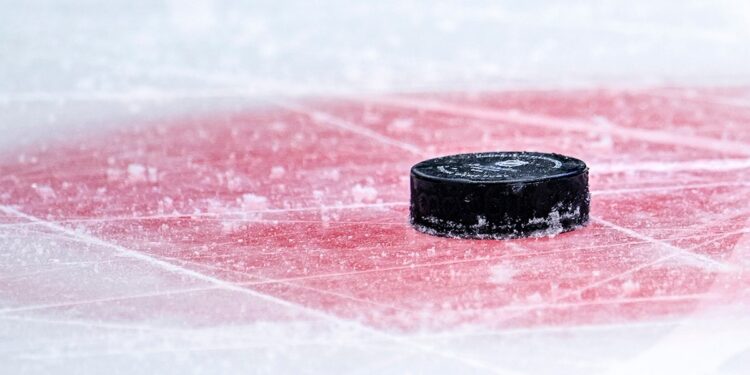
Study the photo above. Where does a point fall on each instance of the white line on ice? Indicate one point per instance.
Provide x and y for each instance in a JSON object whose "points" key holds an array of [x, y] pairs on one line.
{"points": [[327, 119], [697, 347], [681, 253], [232, 287], [668, 188], [672, 166], [548, 122], [680, 94]]}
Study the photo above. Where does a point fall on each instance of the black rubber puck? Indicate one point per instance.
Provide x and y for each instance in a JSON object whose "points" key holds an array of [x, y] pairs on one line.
{"points": [[499, 195]]}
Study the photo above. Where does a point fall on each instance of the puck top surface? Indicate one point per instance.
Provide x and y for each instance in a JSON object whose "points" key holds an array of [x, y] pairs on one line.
{"points": [[499, 167]]}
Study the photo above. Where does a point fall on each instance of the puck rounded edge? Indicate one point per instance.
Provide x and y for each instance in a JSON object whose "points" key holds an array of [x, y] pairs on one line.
{"points": [[499, 195]]}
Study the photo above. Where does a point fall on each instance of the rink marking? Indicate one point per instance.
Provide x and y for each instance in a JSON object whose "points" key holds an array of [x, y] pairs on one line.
{"points": [[221, 284], [677, 251], [554, 304], [548, 122], [323, 118]]}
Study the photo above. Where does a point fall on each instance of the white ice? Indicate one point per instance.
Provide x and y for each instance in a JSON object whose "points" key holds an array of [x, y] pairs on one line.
{"points": [[80, 66]]}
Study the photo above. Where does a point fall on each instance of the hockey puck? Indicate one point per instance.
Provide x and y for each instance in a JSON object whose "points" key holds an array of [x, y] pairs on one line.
{"points": [[499, 195]]}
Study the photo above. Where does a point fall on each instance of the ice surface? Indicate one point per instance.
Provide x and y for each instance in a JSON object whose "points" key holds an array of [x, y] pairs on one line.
{"points": [[169, 204]]}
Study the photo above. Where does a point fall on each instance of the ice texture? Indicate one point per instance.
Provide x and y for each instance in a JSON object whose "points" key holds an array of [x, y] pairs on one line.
{"points": [[212, 187]]}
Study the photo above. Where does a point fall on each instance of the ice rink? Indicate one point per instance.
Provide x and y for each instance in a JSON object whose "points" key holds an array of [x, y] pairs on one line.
{"points": [[220, 188]]}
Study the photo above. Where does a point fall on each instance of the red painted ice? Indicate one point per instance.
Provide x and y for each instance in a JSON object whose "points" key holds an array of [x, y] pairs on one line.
{"points": [[291, 222]]}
